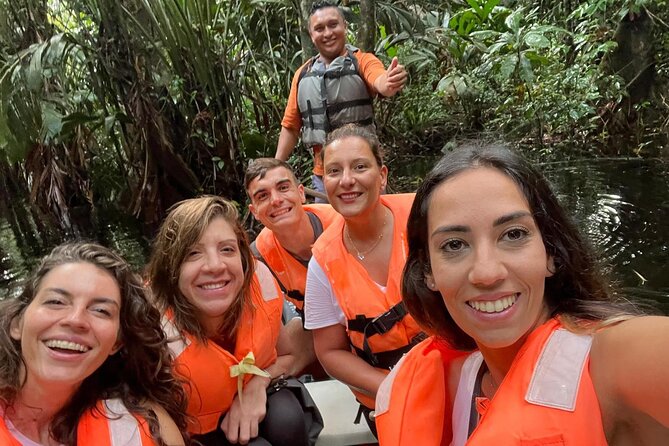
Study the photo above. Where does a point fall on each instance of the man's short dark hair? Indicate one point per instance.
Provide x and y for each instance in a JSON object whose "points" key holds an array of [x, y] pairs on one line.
{"points": [[322, 4], [258, 168]]}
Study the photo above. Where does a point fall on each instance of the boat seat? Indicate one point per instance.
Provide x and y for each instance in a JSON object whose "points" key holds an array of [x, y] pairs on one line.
{"points": [[339, 408]]}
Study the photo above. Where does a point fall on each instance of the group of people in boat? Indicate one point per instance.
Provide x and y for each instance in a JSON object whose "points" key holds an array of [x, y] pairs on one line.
{"points": [[471, 312]]}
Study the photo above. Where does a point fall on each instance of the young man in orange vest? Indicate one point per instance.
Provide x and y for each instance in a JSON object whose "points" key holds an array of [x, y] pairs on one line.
{"points": [[284, 245]]}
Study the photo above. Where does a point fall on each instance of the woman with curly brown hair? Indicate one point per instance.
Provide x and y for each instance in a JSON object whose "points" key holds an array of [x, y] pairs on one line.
{"points": [[83, 359], [223, 316]]}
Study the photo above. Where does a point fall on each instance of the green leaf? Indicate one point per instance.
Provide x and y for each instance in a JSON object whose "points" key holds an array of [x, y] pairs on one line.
{"points": [[52, 122], [607, 47], [508, 66], [447, 20], [484, 34], [513, 20], [488, 7], [33, 71], [5, 134], [76, 119], [474, 4], [382, 31], [526, 73], [452, 86], [536, 58], [496, 47], [109, 124], [536, 40]]}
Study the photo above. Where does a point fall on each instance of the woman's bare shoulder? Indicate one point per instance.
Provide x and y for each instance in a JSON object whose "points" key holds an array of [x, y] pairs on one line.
{"points": [[629, 363], [168, 428]]}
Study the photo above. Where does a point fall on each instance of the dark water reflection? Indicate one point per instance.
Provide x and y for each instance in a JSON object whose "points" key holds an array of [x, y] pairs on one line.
{"points": [[623, 206], [120, 233]]}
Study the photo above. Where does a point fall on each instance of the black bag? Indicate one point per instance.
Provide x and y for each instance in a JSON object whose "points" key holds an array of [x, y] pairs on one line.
{"points": [[312, 415]]}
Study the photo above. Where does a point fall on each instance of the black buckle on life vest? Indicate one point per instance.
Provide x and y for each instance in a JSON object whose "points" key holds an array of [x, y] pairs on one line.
{"points": [[383, 323], [388, 359], [380, 324]]}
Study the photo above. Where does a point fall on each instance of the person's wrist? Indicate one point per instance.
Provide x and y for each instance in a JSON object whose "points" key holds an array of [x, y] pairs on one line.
{"points": [[264, 380]]}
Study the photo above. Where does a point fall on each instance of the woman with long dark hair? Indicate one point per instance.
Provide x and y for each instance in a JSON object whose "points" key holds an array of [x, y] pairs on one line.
{"points": [[496, 265]]}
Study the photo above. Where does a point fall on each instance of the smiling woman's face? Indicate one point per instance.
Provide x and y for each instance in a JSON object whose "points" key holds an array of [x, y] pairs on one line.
{"points": [[353, 178], [212, 275], [487, 257], [71, 326]]}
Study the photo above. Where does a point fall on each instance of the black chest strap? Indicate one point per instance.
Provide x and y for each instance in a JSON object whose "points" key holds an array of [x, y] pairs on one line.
{"points": [[380, 325]]}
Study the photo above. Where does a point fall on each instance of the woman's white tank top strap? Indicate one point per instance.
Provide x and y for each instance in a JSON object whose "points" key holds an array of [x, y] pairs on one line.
{"points": [[463, 398]]}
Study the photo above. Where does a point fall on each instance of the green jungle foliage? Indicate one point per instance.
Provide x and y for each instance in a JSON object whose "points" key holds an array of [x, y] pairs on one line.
{"points": [[133, 105]]}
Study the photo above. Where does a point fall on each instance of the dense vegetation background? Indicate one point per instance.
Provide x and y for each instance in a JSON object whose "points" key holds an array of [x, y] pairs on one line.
{"points": [[112, 107]]}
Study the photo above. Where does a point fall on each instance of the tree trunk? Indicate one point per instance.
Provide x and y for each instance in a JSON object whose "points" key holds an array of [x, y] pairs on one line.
{"points": [[308, 49], [634, 59], [367, 29]]}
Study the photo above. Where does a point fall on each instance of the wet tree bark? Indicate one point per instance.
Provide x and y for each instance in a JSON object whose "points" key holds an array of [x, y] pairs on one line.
{"points": [[19, 214], [634, 59], [367, 30], [308, 49]]}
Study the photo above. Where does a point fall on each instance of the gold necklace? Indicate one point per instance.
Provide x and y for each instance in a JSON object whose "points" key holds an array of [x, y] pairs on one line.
{"points": [[362, 254]]}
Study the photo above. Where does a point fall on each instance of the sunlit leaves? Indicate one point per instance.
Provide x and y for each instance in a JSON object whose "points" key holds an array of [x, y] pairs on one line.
{"points": [[537, 40]]}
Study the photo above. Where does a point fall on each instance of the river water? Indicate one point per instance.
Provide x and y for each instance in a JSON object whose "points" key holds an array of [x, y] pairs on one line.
{"points": [[622, 205]]}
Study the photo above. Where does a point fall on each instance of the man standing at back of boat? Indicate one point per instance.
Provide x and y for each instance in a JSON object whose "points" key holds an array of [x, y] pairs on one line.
{"points": [[334, 88], [284, 245]]}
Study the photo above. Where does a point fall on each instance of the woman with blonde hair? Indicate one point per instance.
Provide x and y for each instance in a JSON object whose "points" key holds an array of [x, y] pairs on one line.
{"points": [[223, 315], [83, 358]]}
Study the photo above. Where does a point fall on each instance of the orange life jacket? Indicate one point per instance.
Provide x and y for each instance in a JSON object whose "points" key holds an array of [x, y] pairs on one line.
{"points": [[412, 404], [108, 424], [206, 366], [6, 439], [378, 326], [546, 398], [289, 271]]}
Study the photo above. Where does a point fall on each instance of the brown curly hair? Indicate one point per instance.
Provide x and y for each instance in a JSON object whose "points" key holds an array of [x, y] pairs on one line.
{"points": [[139, 373]]}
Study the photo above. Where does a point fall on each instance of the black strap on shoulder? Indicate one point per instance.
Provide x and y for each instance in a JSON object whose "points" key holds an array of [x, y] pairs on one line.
{"points": [[474, 416], [306, 69], [334, 108], [293, 294], [388, 359], [316, 224], [380, 325], [257, 255], [354, 59]]}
